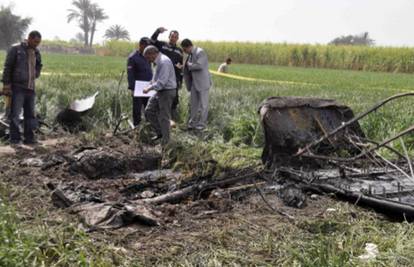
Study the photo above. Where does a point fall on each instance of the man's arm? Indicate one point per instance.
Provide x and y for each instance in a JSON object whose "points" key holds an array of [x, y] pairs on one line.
{"points": [[131, 73], [38, 65], [180, 76], [200, 62], [163, 75], [9, 66], [154, 37]]}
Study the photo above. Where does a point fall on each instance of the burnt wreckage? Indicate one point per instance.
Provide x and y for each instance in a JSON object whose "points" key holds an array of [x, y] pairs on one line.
{"points": [[319, 145]]}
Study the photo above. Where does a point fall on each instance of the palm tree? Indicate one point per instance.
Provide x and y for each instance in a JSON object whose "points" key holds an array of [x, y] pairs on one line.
{"points": [[81, 13], [97, 14], [116, 32]]}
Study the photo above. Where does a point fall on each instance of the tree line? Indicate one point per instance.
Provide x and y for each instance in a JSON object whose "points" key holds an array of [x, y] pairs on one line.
{"points": [[88, 15], [85, 13]]}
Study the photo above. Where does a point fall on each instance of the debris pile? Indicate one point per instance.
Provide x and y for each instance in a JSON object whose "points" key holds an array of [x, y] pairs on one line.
{"points": [[320, 146], [312, 146]]}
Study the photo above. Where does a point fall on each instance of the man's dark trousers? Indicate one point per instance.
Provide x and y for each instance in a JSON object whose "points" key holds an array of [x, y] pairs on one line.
{"points": [[22, 98], [174, 109], [137, 104], [158, 113]]}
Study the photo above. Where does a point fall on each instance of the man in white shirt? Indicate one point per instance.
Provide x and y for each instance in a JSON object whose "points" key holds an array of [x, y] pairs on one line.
{"points": [[224, 68]]}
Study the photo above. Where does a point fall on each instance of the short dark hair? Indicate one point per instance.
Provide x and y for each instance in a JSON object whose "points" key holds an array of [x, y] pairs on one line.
{"points": [[228, 59], [186, 43], [145, 41], [172, 32], [35, 34]]}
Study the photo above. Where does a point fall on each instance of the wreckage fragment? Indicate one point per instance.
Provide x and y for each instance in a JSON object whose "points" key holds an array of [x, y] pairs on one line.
{"points": [[319, 130], [71, 117], [96, 163], [290, 123], [292, 196], [97, 213], [114, 215]]}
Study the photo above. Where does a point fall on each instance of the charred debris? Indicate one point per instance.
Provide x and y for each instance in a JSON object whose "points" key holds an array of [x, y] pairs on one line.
{"points": [[311, 145], [318, 145]]}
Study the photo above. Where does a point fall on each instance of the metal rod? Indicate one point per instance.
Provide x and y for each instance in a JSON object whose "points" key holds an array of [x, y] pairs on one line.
{"points": [[376, 147], [408, 158], [395, 167], [344, 125], [364, 139]]}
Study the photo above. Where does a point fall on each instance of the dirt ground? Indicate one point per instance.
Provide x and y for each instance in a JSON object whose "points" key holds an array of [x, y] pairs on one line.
{"points": [[187, 225]]}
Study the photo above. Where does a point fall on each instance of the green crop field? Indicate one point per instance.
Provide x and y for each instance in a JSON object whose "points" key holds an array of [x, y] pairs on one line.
{"points": [[74, 76], [381, 59], [234, 139]]}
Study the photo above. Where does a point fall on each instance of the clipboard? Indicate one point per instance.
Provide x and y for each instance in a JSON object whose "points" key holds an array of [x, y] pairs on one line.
{"points": [[140, 86]]}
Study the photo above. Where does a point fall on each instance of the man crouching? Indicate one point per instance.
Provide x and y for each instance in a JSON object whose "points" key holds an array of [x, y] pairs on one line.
{"points": [[158, 110]]}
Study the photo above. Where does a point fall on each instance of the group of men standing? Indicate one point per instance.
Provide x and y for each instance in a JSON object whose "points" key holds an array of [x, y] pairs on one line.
{"points": [[23, 65], [170, 70]]}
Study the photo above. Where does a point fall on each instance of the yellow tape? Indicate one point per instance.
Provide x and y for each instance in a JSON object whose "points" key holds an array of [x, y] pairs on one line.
{"points": [[243, 78]]}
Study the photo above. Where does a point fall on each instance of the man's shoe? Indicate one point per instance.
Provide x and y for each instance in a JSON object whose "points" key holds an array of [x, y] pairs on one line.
{"points": [[15, 143], [31, 142], [157, 137], [172, 124]]}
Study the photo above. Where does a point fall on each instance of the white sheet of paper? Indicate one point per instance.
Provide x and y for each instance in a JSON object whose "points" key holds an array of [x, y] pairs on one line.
{"points": [[139, 87]]}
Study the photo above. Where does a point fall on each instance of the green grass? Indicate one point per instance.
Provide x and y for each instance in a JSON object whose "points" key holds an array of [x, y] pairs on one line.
{"points": [[328, 78], [234, 140]]}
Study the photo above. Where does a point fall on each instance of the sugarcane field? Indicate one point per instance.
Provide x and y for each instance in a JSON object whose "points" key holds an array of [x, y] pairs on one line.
{"points": [[201, 144]]}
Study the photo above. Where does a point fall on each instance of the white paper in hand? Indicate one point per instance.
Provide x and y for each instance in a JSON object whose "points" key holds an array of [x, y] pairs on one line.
{"points": [[140, 86]]}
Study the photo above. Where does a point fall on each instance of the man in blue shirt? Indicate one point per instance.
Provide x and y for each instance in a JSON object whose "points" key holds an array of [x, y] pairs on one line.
{"points": [[139, 69], [158, 111]]}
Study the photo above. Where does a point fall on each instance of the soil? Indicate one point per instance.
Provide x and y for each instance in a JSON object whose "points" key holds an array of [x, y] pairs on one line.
{"points": [[190, 221]]}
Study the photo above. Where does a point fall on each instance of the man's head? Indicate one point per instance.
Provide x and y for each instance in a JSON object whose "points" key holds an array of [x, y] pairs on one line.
{"points": [[151, 53], [143, 43], [34, 39], [173, 37], [187, 45], [228, 61]]}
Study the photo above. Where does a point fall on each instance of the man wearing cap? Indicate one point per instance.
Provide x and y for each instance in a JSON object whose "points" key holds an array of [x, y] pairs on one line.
{"points": [[158, 111], [138, 69]]}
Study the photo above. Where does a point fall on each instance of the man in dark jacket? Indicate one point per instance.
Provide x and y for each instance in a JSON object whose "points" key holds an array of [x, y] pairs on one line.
{"points": [[175, 53], [139, 69], [22, 67]]}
